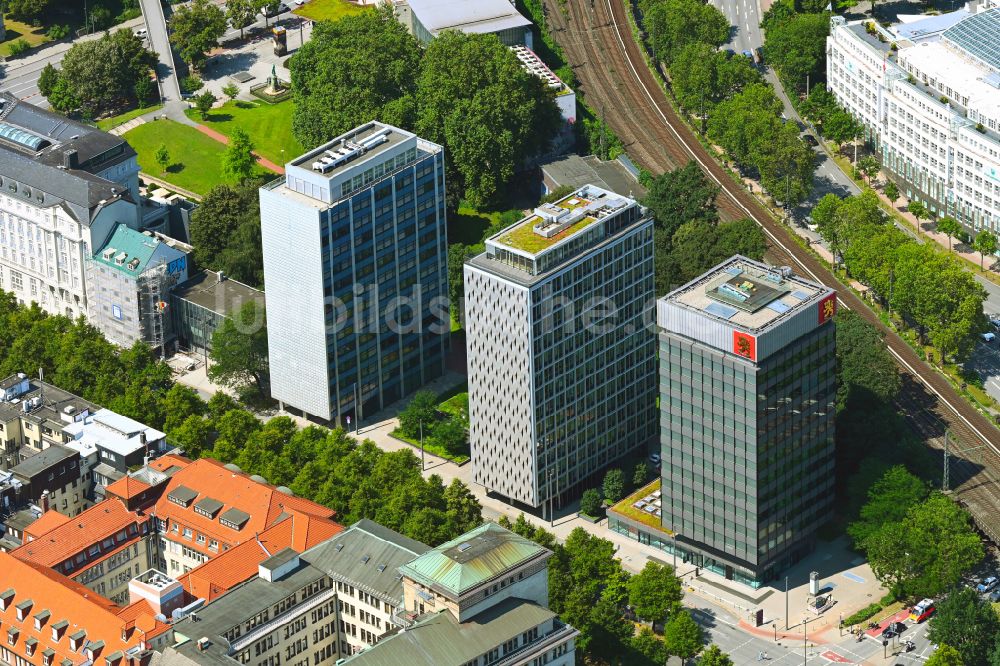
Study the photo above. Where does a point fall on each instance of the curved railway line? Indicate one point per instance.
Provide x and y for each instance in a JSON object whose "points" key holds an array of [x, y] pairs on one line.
{"points": [[612, 73]]}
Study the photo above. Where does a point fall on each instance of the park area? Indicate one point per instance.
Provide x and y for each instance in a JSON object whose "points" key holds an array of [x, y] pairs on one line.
{"points": [[440, 422], [328, 10], [195, 158], [269, 126]]}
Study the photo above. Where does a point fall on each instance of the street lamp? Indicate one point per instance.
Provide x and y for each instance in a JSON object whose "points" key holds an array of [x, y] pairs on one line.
{"points": [[422, 465], [774, 625], [805, 642]]}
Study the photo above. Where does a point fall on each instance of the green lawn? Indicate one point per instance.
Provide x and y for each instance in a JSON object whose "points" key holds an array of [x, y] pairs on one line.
{"points": [[469, 225], [328, 10], [457, 404], [431, 448], [269, 126], [195, 158], [122, 118], [17, 30]]}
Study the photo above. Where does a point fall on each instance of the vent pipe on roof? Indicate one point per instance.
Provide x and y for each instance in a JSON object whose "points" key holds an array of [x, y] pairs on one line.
{"points": [[71, 159]]}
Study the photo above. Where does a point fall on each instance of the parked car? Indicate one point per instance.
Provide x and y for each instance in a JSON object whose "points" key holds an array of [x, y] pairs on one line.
{"points": [[810, 139], [987, 337], [654, 458], [990, 582], [748, 54], [141, 33]]}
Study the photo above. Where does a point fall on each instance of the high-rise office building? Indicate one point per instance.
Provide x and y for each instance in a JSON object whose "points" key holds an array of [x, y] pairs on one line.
{"points": [[355, 272], [747, 397], [561, 364]]}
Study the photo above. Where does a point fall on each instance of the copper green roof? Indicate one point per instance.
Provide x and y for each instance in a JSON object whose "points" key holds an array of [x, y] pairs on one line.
{"points": [[472, 559]]}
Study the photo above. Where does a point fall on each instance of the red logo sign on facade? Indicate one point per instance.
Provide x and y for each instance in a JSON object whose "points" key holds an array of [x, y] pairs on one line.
{"points": [[745, 345], [827, 308]]}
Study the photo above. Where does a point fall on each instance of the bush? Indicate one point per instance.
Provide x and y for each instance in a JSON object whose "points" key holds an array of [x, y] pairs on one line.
{"points": [[191, 84], [889, 598], [590, 503], [58, 32], [18, 46], [862, 615]]}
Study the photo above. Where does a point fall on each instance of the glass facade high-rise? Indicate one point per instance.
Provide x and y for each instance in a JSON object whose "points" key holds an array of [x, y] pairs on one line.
{"points": [[562, 364], [747, 396], [355, 272]]}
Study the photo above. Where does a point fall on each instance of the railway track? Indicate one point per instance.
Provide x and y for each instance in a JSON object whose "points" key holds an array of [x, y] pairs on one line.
{"points": [[613, 75]]}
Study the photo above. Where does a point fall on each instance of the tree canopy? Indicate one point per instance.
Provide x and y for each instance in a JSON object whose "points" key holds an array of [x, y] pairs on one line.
{"points": [[967, 623], [655, 592], [195, 29], [239, 161], [351, 71], [101, 74], [474, 97], [674, 24], [239, 350], [796, 48], [225, 232], [927, 552]]}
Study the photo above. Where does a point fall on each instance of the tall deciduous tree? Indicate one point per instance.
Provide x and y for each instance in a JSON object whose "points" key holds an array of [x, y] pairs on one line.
{"points": [[101, 73], [613, 485], [179, 403], [47, 79], [240, 13], [713, 656], [195, 29], [966, 622], [655, 592], [945, 655], [891, 191], [26, 10], [928, 551], [950, 227], [351, 71], [420, 411], [673, 24], [985, 244], [239, 162], [475, 98], [796, 48], [225, 232], [239, 349], [889, 501], [683, 636], [678, 196]]}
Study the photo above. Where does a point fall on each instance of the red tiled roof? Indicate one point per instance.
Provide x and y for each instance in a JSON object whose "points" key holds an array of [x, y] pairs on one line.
{"points": [[67, 600], [48, 521], [104, 519], [239, 563], [127, 487], [210, 479]]}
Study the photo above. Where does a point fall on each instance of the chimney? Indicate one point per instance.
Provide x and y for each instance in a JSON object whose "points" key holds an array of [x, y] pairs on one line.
{"points": [[44, 501], [71, 159]]}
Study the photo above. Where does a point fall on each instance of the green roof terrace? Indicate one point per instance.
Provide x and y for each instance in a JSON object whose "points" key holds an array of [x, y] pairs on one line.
{"points": [[554, 223]]}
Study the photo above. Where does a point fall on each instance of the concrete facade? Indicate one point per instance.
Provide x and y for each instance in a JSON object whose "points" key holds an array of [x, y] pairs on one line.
{"points": [[561, 365]]}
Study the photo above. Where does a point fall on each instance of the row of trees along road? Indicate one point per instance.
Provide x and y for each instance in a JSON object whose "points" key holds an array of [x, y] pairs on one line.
{"points": [[727, 95], [927, 287], [465, 91], [327, 466]]}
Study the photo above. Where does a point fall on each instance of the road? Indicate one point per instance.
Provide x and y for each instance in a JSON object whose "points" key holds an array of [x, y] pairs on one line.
{"points": [[159, 43]]}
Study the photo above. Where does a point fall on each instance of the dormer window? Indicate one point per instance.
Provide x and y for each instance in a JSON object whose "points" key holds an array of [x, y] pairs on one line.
{"points": [[23, 609], [6, 598], [58, 629], [113, 658], [93, 650], [30, 645], [41, 618], [47, 656], [76, 639], [12, 636]]}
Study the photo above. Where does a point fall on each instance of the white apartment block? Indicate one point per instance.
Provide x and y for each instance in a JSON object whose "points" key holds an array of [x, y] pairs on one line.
{"points": [[63, 188], [930, 106]]}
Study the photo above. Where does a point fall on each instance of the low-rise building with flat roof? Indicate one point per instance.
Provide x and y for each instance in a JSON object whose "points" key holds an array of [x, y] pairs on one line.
{"points": [[574, 171], [203, 302], [426, 19]]}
